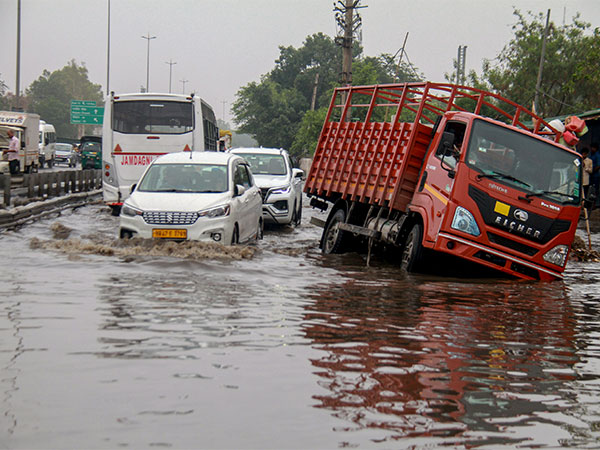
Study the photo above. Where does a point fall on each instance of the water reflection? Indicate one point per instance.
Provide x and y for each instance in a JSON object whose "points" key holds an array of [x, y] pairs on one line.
{"points": [[460, 362]]}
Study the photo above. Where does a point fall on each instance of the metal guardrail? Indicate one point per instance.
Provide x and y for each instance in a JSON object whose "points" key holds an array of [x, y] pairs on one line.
{"points": [[45, 185]]}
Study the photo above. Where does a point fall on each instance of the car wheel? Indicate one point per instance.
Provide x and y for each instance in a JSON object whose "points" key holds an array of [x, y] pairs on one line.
{"points": [[260, 232], [298, 215], [413, 250], [235, 236], [334, 239]]}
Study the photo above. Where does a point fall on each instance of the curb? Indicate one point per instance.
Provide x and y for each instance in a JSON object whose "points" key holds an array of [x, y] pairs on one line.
{"points": [[22, 214]]}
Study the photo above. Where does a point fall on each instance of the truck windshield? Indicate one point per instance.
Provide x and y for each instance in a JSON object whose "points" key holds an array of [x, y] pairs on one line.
{"points": [[153, 117], [526, 163]]}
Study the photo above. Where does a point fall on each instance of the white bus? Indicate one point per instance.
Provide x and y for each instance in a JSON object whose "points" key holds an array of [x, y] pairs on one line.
{"points": [[140, 127]]}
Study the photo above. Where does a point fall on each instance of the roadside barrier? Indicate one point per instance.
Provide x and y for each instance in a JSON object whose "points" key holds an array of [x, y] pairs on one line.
{"points": [[46, 185]]}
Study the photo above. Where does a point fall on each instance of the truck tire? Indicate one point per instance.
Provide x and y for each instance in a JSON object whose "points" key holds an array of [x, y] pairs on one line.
{"points": [[334, 239], [412, 251]]}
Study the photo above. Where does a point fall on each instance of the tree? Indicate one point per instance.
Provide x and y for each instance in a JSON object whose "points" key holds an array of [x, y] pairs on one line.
{"points": [[277, 110], [51, 94], [570, 76]]}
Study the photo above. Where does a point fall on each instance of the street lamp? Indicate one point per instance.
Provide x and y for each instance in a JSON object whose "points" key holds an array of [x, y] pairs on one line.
{"points": [[148, 38], [171, 64], [183, 82]]}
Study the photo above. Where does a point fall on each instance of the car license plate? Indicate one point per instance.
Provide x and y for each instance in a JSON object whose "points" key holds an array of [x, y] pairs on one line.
{"points": [[162, 233]]}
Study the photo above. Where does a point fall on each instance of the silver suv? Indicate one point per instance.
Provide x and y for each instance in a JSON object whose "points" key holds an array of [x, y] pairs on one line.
{"points": [[280, 184]]}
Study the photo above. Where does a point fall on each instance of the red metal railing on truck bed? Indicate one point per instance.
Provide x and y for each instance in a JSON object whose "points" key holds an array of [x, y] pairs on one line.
{"points": [[374, 138]]}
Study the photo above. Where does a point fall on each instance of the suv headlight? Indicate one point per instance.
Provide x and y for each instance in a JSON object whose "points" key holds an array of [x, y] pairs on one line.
{"points": [[464, 221], [219, 211], [557, 256], [281, 190], [130, 211]]}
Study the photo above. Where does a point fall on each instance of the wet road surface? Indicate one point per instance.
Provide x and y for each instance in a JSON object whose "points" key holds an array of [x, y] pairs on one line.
{"points": [[278, 346]]}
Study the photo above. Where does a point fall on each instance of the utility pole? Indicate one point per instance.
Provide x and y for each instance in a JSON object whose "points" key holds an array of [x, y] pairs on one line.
{"points": [[461, 75], [18, 78], [183, 82], [171, 64], [313, 101], [349, 24], [148, 38], [224, 103], [538, 83]]}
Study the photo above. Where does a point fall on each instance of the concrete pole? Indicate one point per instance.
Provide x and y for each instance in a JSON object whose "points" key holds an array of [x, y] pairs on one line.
{"points": [[18, 77], [538, 83]]}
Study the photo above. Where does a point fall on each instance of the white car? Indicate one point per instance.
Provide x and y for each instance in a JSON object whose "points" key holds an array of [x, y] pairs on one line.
{"points": [[205, 196], [280, 184]]}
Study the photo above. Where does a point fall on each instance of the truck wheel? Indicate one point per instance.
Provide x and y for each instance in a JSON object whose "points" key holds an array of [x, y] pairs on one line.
{"points": [[334, 239], [412, 250]]}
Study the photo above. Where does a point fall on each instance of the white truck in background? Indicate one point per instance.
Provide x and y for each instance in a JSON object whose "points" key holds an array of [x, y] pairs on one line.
{"points": [[47, 144], [25, 127]]}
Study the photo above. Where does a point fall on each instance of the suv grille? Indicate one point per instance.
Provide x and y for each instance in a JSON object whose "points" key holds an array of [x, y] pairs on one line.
{"points": [[170, 218]]}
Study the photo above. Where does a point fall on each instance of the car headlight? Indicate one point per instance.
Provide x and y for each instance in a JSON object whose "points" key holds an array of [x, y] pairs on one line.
{"points": [[281, 190], [219, 211], [130, 211], [464, 221], [557, 256]]}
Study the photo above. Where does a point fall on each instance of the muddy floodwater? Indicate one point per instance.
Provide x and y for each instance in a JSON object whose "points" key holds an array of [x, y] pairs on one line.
{"points": [[107, 345]]}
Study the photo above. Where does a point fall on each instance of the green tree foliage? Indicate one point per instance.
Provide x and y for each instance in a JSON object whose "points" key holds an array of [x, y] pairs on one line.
{"points": [[277, 110], [570, 75], [51, 94]]}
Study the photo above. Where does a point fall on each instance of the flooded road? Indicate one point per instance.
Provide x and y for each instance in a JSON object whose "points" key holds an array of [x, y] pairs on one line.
{"points": [[280, 347]]}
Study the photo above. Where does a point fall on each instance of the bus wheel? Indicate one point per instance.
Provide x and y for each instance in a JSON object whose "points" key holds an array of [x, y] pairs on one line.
{"points": [[334, 239], [412, 252]]}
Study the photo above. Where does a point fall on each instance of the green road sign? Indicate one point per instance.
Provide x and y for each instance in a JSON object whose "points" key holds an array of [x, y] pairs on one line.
{"points": [[86, 112]]}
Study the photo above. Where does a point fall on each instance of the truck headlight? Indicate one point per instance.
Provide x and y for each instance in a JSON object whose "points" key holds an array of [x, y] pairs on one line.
{"points": [[130, 211], [464, 221], [219, 211], [557, 256]]}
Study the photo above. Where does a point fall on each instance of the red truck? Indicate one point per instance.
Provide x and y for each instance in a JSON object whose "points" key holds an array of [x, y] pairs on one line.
{"points": [[434, 169]]}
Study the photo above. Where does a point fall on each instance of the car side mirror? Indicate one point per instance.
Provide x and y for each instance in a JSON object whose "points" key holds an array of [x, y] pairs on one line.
{"points": [[238, 190], [133, 186], [298, 173]]}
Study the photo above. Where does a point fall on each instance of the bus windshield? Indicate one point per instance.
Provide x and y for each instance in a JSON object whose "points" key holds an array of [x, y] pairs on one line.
{"points": [[153, 117], [529, 164]]}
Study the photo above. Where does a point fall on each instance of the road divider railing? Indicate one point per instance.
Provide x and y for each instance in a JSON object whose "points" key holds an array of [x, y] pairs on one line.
{"points": [[46, 185]]}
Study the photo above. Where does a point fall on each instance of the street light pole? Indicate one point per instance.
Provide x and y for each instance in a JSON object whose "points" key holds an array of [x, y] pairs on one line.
{"points": [[171, 64], [108, 52], [183, 82], [18, 80], [148, 38]]}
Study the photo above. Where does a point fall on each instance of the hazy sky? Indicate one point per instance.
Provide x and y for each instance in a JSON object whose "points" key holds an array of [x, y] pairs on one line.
{"points": [[221, 45]]}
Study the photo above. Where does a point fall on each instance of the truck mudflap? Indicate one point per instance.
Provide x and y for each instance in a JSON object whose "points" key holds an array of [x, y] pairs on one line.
{"points": [[495, 259]]}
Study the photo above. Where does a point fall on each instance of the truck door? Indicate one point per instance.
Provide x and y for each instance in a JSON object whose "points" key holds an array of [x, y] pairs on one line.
{"points": [[438, 178]]}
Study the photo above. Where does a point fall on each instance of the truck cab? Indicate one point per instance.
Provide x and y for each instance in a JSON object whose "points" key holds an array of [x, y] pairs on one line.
{"points": [[498, 196]]}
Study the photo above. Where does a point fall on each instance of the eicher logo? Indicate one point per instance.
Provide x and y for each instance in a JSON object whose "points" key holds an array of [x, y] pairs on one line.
{"points": [[521, 215], [518, 227]]}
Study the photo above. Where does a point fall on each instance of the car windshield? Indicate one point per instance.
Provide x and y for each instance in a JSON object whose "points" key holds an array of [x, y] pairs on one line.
{"points": [[525, 163], [63, 147], [264, 164], [205, 178]]}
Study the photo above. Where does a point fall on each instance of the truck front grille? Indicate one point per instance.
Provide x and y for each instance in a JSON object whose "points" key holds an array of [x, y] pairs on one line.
{"points": [[169, 218]]}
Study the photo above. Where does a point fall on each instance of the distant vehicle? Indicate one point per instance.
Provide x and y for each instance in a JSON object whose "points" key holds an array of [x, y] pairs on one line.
{"points": [[25, 127], [47, 144], [279, 183], [90, 152], [65, 154], [206, 196], [138, 128]]}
